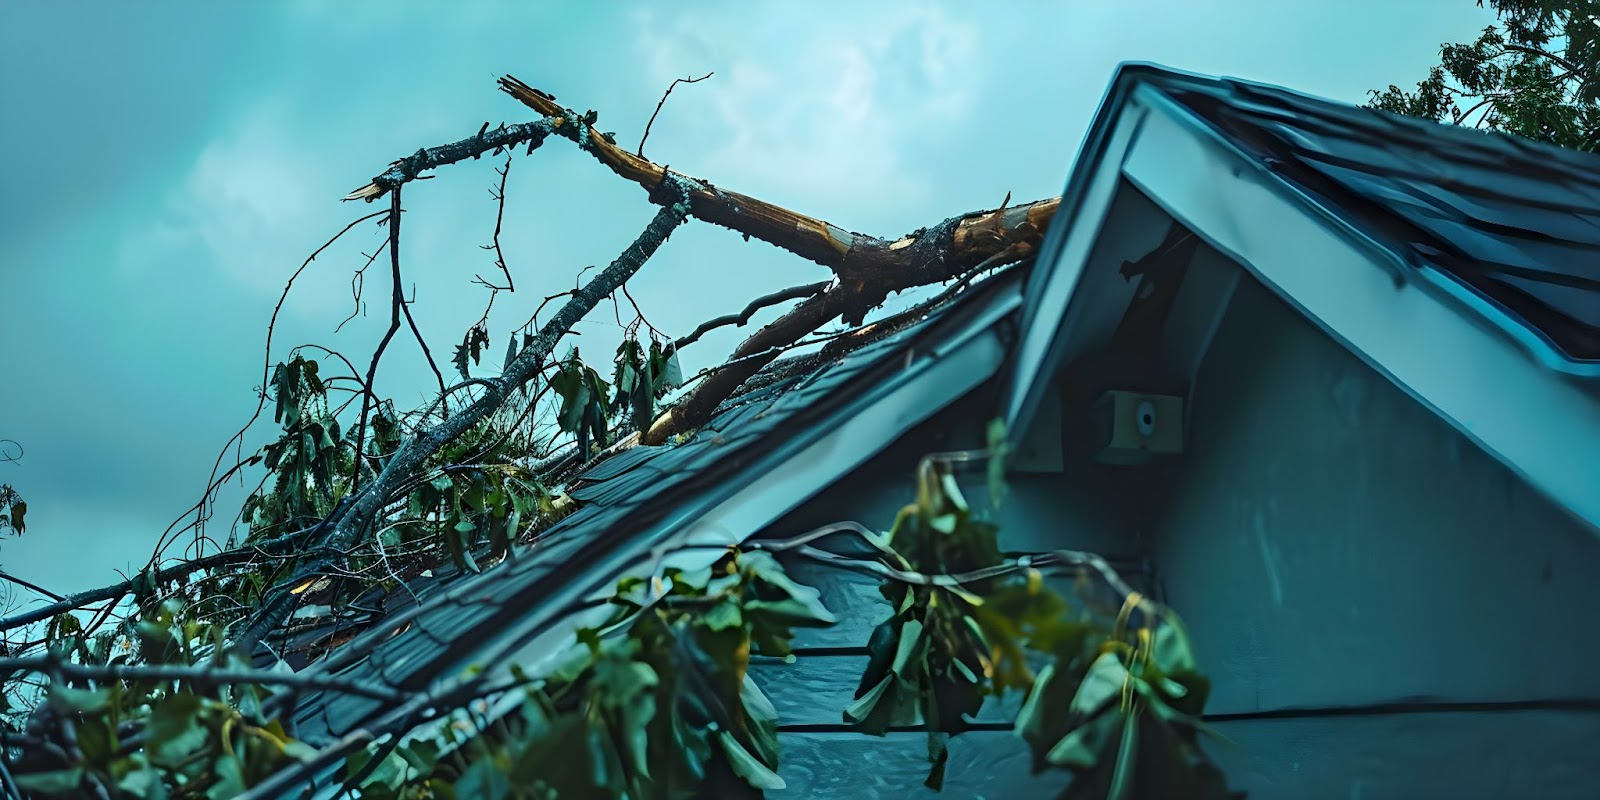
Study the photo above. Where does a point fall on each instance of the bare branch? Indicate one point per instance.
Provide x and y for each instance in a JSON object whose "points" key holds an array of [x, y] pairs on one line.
{"points": [[30, 586], [914, 259], [202, 676], [494, 141], [663, 102], [781, 296]]}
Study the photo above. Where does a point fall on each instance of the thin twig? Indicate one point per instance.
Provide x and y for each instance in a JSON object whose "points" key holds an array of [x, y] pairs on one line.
{"points": [[198, 509], [397, 302], [499, 218], [29, 585], [358, 282], [201, 675], [782, 296], [664, 96]]}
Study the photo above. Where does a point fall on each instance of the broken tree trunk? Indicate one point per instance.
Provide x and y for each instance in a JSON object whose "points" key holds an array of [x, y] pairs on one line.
{"points": [[868, 268]]}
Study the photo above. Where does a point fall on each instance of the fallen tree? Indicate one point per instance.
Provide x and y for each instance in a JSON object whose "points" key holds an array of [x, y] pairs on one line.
{"points": [[357, 496]]}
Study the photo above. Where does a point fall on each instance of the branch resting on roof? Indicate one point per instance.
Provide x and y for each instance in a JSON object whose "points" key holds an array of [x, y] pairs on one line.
{"points": [[869, 268], [350, 522]]}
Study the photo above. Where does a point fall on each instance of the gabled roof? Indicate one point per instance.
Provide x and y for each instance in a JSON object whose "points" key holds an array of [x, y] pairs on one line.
{"points": [[1463, 265], [765, 451], [1513, 223]]}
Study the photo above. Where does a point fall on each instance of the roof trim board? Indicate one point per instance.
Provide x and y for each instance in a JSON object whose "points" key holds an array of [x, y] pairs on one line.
{"points": [[1461, 365], [1480, 381], [1068, 247]]}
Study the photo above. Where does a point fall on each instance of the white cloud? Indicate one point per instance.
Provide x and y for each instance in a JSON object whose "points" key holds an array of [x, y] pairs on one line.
{"points": [[245, 207], [803, 111]]}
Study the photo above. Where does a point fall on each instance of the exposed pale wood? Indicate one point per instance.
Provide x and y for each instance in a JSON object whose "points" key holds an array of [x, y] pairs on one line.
{"points": [[868, 267]]}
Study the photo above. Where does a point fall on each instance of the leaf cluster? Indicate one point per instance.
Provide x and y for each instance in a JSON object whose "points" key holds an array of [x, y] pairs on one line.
{"points": [[154, 737], [1533, 74], [656, 703], [980, 629]]}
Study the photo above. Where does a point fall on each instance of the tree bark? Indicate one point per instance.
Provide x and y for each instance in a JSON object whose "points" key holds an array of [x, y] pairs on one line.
{"points": [[869, 268]]}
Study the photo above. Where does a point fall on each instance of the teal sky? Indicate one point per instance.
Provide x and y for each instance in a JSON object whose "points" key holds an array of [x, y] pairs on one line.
{"points": [[167, 166]]}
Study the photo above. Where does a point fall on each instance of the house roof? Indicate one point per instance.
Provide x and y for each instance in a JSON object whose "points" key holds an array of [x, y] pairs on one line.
{"points": [[644, 497], [1497, 227], [1514, 223], [1461, 264]]}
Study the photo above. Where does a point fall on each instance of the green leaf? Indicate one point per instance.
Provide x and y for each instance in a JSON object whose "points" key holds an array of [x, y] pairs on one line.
{"points": [[671, 376], [909, 645], [174, 730], [460, 359], [60, 782], [747, 766], [84, 701], [724, 615], [97, 741], [1103, 682], [1170, 648], [866, 707], [939, 754], [229, 772], [18, 509], [1127, 754], [1080, 749]]}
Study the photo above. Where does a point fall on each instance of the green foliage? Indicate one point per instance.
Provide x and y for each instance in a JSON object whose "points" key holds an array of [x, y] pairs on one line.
{"points": [[656, 703], [584, 409], [642, 378], [15, 510], [310, 462], [971, 631], [157, 738], [1534, 74], [472, 346]]}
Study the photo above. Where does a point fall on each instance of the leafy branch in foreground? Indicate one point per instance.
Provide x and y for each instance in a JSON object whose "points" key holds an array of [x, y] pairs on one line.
{"points": [[953, 642], [656, 703]]}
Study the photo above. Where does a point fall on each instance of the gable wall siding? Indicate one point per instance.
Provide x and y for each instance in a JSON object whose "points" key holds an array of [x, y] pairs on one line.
{"points": [[825, 760], [1332, 543]]}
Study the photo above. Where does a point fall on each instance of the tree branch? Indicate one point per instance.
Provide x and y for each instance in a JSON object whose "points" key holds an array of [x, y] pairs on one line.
{"points": [[501, 138], [664, 96], [781, 296], [764, 345], [274, 547], [911, 260], [204, 676], [347, 530], [31, 586]]}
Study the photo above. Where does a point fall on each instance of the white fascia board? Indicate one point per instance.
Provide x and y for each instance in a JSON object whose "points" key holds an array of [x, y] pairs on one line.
{"points": [[1067, 247], [1536, 421]]}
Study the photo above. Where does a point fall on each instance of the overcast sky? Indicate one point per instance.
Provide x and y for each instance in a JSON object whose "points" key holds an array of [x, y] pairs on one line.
{"points": [[166, 166]]}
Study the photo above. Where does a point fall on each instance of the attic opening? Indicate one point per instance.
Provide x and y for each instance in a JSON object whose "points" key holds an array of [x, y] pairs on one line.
{"points": [[1117, 397]]}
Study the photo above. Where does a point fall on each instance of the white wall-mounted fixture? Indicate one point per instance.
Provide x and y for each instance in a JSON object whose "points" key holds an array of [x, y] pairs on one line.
{"points": [[1134, 428]]}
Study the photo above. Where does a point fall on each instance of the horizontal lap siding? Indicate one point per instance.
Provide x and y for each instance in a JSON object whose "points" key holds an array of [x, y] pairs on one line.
{"points": [[1549, 755], [852, 766]]}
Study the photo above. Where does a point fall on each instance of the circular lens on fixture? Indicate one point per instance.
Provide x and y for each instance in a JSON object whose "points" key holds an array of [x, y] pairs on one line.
{"points": [[1145, 413]]}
